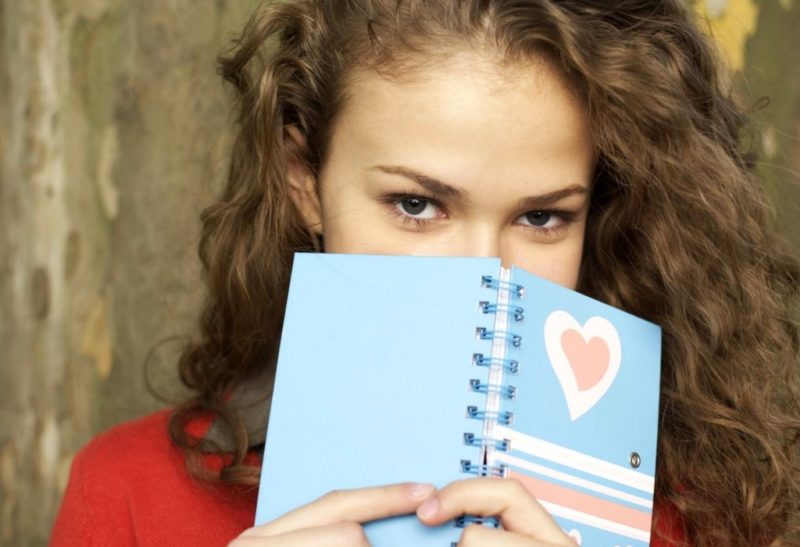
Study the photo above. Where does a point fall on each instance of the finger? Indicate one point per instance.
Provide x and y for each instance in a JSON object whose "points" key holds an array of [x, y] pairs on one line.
{"points": [[476, 535], [360, 505], [506, 499], [341, 534]]}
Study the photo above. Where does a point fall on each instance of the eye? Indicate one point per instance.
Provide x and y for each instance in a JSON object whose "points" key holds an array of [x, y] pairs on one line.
{"points": [[540, 219], [416, 207]]}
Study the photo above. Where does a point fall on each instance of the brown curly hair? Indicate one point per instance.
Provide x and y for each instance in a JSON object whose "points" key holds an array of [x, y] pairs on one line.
{"points": [[679, 229]]}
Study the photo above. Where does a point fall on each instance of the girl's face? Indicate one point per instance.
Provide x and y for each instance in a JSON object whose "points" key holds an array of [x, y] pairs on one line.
{"points": [[464, 159]]}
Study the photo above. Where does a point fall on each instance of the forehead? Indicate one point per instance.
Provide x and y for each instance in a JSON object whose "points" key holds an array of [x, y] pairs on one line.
{"points": [[455, 71], [466, 113]]}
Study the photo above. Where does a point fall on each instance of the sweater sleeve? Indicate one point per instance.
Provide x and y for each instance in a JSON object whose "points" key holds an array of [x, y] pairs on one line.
{"points": [[72, 523], [129, 486], [76, 522], [668, 527]]}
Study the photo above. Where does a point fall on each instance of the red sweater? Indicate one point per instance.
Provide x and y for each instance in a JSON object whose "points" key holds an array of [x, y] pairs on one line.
{"points": [[129, 486]]}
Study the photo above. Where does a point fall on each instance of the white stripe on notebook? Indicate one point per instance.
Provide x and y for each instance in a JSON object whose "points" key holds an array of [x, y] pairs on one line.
{"points": [[576, 460], [571, 479], [596, 522]]}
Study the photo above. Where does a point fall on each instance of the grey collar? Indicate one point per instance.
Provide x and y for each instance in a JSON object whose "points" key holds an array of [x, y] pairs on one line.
{"points": [[251, 401]]}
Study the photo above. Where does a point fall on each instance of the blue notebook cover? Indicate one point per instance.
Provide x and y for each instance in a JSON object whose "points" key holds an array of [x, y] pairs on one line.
{"points": [[397, 369]]}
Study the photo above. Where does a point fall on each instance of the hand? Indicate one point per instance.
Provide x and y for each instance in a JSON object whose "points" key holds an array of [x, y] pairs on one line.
{"points": [[335, 519], [525, 523]]}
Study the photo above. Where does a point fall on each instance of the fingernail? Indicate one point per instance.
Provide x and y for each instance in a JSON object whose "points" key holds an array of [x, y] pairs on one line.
{"points": [[420, 490], [428, 509]]}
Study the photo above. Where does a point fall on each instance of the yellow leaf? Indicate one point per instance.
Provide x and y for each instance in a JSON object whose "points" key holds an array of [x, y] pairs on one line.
{"points": [[731, 23]]}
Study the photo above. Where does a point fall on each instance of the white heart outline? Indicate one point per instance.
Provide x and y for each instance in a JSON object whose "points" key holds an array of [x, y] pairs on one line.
{"points": [[559, 321]]}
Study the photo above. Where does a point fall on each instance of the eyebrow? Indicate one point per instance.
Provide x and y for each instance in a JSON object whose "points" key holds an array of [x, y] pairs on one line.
{"points": [[445, 190], [429, 183], [551, 198]]}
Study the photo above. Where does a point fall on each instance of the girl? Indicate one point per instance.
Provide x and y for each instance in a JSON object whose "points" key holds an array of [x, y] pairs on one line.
{"points": [[592, 143]]}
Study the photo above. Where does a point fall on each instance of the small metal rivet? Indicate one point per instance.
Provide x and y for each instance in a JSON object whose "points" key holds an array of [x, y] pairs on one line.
{"points": [[636, 460]]}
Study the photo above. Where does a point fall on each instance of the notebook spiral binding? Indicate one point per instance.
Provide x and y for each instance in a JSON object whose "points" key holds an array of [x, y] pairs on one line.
{"points": [[465, 520], [503, 418], [471, 439], [512, 312], [514, 289], [510, 365], [517, 312], [505, 390], [486, 334]]}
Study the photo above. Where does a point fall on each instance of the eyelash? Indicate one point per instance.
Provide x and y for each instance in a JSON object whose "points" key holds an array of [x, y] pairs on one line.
{"points": [[393, 201]]}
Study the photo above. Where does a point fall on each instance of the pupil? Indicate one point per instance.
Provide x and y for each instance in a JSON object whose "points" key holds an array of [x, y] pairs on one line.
{"points": [[414, 206], [538, 218]]}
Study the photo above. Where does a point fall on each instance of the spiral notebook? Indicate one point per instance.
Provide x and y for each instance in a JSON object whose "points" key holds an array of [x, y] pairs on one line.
{"points": [[433, 369]]}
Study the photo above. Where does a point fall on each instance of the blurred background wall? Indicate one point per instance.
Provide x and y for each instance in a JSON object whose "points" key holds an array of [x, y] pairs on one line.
{"points": [[113, 131], [113, 136]]}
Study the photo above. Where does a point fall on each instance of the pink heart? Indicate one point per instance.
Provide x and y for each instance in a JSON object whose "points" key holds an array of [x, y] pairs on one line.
{"points": [[589, 361]]}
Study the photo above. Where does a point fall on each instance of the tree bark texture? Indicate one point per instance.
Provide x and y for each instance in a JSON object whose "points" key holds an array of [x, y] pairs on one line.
{"points": [[113, 135], [114, 132]]}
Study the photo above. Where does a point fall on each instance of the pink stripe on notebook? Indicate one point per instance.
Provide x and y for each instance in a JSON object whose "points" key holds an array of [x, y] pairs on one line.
{"points": [[585, 503]]}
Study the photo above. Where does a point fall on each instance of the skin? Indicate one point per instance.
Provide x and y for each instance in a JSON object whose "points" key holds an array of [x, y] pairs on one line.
{"points": [[464, 158]]}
